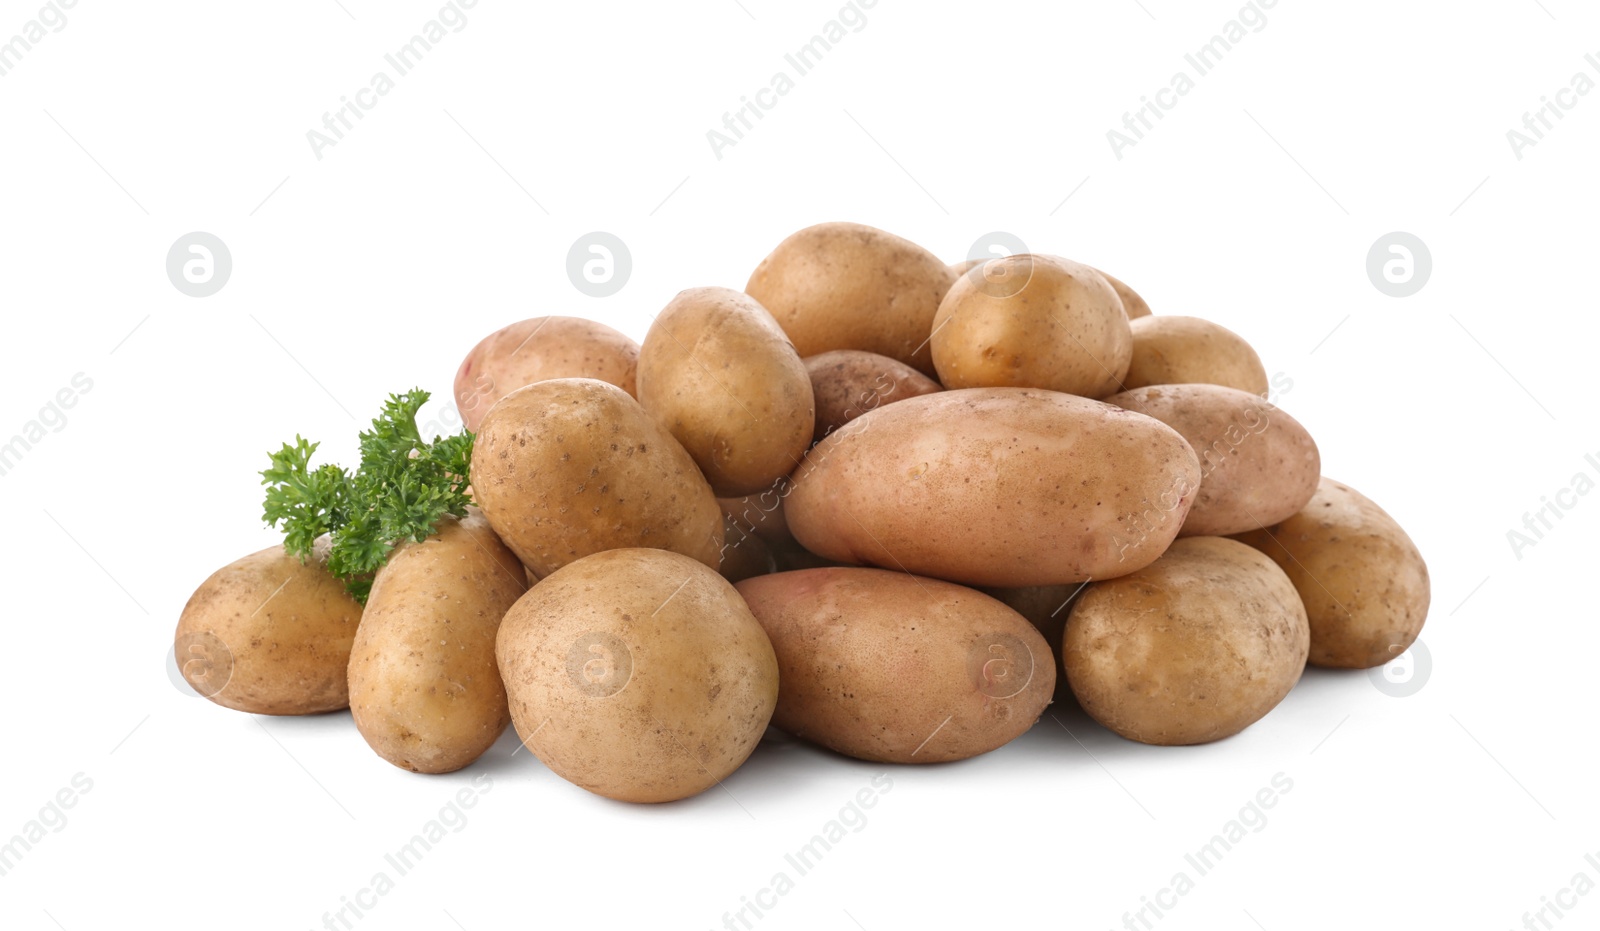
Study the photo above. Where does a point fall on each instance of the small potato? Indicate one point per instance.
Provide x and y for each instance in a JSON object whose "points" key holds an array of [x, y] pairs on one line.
{"points": [[1194, 647], [1363, 581], [573, 466], [720, 375], [1045, 606], [537, 349], [424, 688], [1133, 306], [1258, 465], [638, 674], [847, 383], [269, 634], [743, 553], [761, 514], [996, 486], [1189, 350], [848, 286], [887, 667], [1032, 321]]}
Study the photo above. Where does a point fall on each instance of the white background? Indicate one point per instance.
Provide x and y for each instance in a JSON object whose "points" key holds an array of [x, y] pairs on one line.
{"points": [[448, 211]]}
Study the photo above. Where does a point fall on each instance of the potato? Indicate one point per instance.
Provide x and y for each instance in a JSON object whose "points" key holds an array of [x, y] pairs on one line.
{"points": [[1189, 350], [537, 349], [638, 674], [1045, 606], [995, 486], [720, 375], [573, 466], [892, 668], [1195, 647], [424, 688], [1258, 465], [1032, 321], [848, 286], [761, 514], [269, 634], [1133, 306], [847, 383], [743, 553], [1363, 581]]}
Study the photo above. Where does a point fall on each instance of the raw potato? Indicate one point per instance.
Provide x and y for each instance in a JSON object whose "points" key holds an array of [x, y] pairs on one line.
{"points": [[573, 466], [887, 667], [1133, 305], [1189, 350], [269, 634], [424, 688], [1045, 606], [762, 514], [1258, 465], [996, 486], [743, 553], [638, 674], [847, 383], [720, 375], [1363, 581], [1193, 648], [848, 286], [1032, 321], [537, 349]]}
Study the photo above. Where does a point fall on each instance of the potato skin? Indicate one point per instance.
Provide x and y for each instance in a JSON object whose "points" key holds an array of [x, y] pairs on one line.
{"points": [[743, 553], [1364, 583], [1189, 350], [537, 349], [1195, 647], [1258, 464], [268, 634], [847, 383], [638, 674], [995, 486], [424, 688], [849, 286], [892, 668], [1032, 321], [573, 466], [1133, 306], [762, 513], [720, 375]]}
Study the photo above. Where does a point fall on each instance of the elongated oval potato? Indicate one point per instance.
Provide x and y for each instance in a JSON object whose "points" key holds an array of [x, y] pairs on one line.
{"points": [[1133, 306], [1195, 647], [538, 349], [1364, 583], [573, 466], [1258, 465], [1032, 321], [720, 375], [996, 486], [1189, 350], [892, 668], [268, 634], [848, 286], [638, 674], [848, 382], [424, 688]]}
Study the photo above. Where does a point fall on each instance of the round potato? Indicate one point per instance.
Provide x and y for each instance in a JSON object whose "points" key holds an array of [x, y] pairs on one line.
{"points": [[269, 634], [1133, 306], [573, 466], [1032, 321], [1195, 647], [1189, 350], [847, 383], [848, 286], [887, 667], [1363, 581], [537, 349], [718, 372], [424, 688], [996, 486], [638, 674], [1258, 465]]}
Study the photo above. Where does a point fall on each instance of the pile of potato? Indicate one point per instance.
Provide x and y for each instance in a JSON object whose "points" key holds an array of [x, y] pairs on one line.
{"points": [[879, 502]]}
